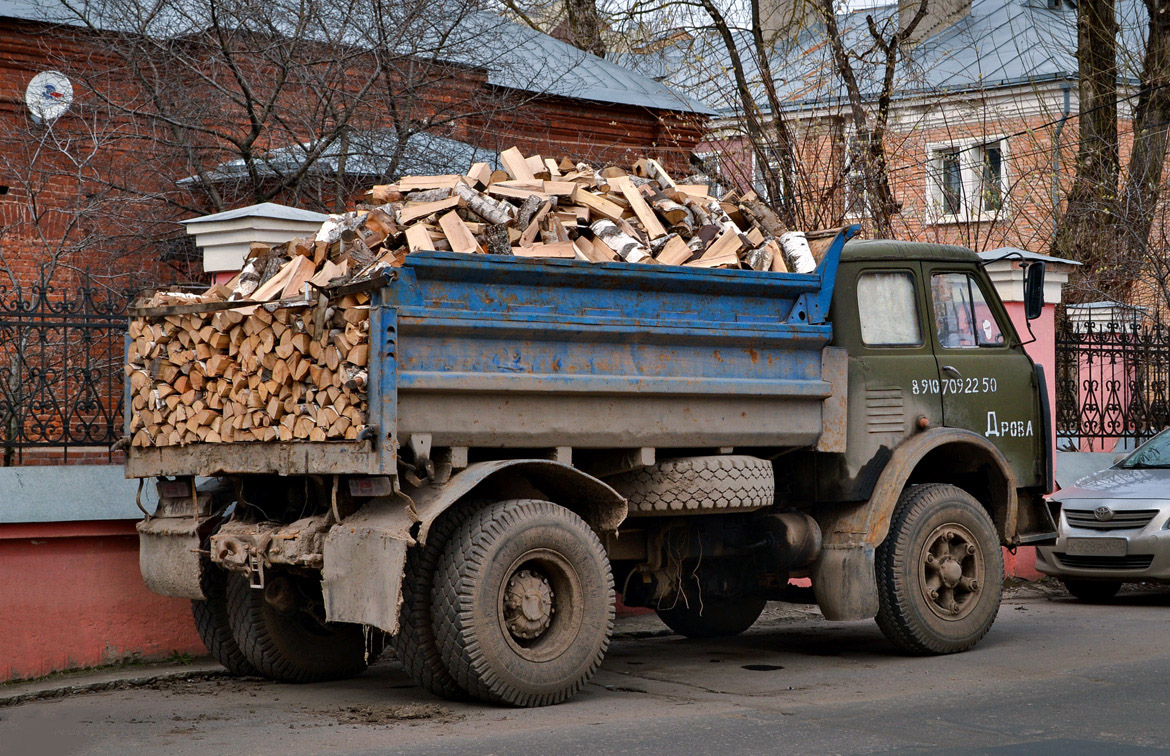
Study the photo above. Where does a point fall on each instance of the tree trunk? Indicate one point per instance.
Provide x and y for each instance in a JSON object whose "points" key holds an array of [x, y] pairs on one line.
{"points": [[1087, 230], [1151, 119], [584, 22]]}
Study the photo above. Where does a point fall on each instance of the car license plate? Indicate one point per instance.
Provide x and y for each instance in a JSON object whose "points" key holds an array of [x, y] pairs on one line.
{"points": [[1096, 546]]}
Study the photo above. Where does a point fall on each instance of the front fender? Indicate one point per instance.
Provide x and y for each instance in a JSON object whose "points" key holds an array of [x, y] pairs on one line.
{"points": [[868, 523]]}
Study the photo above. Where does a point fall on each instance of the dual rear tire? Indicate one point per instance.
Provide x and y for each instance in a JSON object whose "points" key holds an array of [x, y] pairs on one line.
{"points": [[510, 603], [250, 635]]}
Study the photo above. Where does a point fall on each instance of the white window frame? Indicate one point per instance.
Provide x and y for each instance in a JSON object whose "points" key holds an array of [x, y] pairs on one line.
{"points": [[971, 157]]}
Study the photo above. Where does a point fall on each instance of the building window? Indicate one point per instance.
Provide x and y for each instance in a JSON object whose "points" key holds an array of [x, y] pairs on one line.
{"points": [[968, 182], [952, 182], [992, 177], [855, 193]]}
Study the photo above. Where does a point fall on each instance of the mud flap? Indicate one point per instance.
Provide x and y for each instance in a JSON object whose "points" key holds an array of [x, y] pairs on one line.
{"points": [[845, 583], [169, 557], [365, 557]]}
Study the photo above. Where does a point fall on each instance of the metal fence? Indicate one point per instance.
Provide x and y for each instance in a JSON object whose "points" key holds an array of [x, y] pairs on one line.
{"points": [[1112, 380], [61, 354]]}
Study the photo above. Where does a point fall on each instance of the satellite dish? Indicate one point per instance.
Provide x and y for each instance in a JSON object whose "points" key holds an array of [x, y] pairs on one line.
{"points": [[48, 96]]}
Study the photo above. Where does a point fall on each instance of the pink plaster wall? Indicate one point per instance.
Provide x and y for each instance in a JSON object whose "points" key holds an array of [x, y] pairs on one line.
{"points": [[71, 596], [1022, 564]]}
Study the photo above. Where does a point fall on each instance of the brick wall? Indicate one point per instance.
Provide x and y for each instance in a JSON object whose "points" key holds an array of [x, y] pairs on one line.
{"points": [[1025, 119]]}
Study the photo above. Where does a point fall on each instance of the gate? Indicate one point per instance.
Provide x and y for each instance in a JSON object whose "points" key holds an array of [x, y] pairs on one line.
{"points": [[1112, 379]]}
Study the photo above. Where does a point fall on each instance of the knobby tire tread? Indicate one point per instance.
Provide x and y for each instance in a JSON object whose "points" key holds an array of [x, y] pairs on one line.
{"points": [[895, 608], [258, 646], [212, 624], [462, 562], [415, 644]]}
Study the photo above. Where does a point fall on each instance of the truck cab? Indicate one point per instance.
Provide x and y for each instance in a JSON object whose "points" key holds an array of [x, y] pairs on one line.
{"points": [[930, 346]]}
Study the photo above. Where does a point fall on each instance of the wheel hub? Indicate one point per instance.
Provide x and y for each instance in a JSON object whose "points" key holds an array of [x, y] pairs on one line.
{"points": [[951, 564], [528, 605]]}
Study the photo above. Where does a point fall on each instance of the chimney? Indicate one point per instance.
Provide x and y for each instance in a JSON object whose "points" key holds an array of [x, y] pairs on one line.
{"points": [[939, 15], [784, 19]]}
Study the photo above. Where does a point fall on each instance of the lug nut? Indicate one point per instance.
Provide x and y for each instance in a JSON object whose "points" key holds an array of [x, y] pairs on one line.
{"points": [[934, 595], [970, 548]]}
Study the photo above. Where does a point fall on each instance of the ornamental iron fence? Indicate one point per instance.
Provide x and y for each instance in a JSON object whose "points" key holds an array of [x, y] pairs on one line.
{"points": [[61, 354], [1112, 377]]}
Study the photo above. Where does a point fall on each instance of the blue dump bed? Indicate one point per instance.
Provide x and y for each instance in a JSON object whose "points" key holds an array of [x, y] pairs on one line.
{"points": [[487, 351]]}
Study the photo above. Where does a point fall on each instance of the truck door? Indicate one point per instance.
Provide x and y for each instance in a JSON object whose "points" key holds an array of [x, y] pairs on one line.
{"points": [[894, 356], [985, 377]]}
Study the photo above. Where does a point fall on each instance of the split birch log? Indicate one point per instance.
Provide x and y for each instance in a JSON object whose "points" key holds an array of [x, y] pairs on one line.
{"points": [[624, 246], [674, 252], [491, 210]]}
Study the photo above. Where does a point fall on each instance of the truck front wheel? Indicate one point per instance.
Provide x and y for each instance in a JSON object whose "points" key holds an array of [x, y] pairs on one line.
{"points": [[939, 572], [523, 603], [280, 630]]}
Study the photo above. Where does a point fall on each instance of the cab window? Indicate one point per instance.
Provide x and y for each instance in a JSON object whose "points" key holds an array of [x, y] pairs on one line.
{"points": [[961, 314], [888, 308]]}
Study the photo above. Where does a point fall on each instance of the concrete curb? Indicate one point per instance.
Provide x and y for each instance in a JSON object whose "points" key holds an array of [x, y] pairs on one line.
{"points": [[103, 680]]}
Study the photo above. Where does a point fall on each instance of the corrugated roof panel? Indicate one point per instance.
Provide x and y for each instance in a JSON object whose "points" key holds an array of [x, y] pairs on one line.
{"points": [[516, 57]]}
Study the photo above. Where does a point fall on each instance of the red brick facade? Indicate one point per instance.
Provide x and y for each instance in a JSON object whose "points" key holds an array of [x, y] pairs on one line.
{"points": [[1022, 124]]}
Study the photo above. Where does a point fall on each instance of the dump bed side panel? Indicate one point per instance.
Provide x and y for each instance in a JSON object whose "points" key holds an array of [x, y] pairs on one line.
{"points": [[508, 352]]}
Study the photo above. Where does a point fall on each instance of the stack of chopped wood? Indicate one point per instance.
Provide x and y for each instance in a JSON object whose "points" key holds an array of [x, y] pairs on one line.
{"points": [[538, 207], [285, 371], [280, 351]]}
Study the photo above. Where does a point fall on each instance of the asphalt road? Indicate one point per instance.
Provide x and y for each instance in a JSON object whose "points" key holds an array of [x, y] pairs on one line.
{"points": [[1053, 677]]}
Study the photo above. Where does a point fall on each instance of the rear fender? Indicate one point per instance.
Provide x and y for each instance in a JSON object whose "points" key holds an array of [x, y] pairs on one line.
{"points": [[596, 502], [365, 555]]}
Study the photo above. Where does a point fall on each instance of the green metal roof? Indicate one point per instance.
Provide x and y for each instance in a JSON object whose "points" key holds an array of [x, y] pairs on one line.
{"points": [[885, 249]]}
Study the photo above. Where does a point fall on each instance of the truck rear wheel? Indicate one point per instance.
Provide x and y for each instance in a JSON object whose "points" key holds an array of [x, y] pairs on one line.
{"points": [[523, 603], [211, 622], [281, 632], [712, 617], [415, 644], [939, 572]]}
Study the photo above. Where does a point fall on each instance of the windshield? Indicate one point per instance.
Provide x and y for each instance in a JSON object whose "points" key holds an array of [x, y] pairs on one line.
{"points": [[1153, 453]]}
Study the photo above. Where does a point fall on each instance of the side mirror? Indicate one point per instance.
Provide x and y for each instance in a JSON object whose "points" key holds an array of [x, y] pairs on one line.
{"points": [[1034, 290]]}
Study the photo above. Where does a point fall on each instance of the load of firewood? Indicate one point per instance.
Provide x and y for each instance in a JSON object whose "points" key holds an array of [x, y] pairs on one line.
{"points": [[280, 352], [538, 207]]}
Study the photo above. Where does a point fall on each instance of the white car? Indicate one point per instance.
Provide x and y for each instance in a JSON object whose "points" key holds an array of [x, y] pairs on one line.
{"points": [[1114, 526]]}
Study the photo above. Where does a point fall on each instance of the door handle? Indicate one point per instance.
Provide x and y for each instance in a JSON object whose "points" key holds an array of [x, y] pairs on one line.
{"points": [[952, 370]]}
